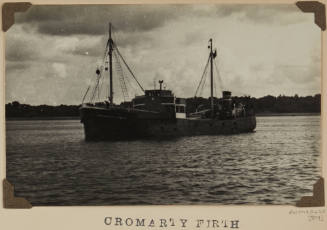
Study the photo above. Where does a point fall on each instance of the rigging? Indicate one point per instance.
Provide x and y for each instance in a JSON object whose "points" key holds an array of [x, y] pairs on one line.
{"points": [[112, 59]]}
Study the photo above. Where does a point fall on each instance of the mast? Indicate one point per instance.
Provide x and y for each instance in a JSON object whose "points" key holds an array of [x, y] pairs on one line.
{"points": [[211, 78], [160, 83], [110, 41]]}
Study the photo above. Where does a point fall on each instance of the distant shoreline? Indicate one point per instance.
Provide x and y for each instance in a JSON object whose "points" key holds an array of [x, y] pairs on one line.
{"points": [[286, 114], [77, 117], [43, 118]]}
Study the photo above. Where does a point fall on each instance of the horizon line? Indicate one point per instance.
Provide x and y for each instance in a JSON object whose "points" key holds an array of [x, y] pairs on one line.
{"points": [[280, 95]]}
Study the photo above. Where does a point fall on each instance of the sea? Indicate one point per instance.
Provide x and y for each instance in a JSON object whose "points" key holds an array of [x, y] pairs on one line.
{"points": [[50, 164]]}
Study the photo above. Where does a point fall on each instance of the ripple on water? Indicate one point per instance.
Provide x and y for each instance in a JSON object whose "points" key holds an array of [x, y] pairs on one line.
{"points": [[50, 164]]}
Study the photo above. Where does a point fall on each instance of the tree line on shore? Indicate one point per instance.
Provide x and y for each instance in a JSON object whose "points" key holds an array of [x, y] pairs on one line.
{"points": [[266, 104]]}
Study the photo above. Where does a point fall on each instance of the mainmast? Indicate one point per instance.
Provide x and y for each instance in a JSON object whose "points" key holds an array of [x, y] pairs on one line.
{"points": [[212, 56], [110, 41]]}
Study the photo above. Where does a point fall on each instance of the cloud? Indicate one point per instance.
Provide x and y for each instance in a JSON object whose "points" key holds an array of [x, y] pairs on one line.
{"points": [[19, 49], [94, 19], [271, 14], [53, 51], [59, 69]]}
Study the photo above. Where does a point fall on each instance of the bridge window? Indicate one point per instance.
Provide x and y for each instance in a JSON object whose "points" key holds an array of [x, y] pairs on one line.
{"points": [[180, 109]]}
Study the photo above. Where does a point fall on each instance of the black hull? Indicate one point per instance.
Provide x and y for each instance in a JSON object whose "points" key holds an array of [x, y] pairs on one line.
{"points": [[121, 124]]}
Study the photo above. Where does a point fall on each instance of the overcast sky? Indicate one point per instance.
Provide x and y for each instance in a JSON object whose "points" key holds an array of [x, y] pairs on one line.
{"points": [[52, 52]]}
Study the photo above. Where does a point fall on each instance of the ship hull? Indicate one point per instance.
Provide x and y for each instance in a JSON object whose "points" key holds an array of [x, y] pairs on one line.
{"points": [[106, 124]]}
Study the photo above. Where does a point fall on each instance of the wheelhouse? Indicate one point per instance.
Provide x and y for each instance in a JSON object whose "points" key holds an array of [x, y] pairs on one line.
{"points": [[160, 100]]}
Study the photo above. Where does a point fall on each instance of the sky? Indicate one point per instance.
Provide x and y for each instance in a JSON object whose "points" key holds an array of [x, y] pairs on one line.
{"points": [[52, 52]]}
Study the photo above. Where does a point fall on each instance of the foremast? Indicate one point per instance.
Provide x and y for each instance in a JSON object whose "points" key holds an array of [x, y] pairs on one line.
{"points": [[112, 47], [110, 43]]}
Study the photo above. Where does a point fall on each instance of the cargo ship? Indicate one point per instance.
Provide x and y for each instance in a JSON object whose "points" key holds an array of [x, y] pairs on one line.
{"points": [[158, 113]]}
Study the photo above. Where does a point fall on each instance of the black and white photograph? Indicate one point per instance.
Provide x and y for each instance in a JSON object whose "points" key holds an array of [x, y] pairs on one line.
{"points": [[163, 104]]}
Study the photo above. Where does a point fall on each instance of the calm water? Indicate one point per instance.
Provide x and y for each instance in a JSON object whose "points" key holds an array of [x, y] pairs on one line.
{"points": [[50, 164]]}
